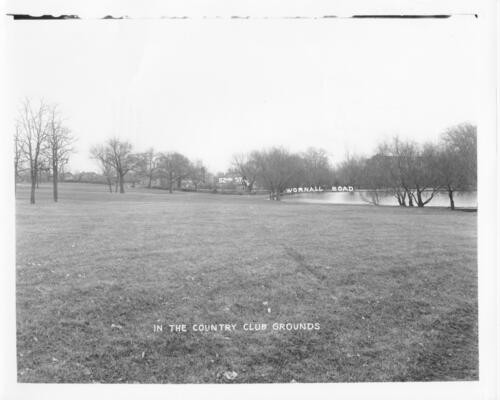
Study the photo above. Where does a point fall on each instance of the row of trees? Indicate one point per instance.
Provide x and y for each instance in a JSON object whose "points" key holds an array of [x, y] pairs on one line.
{"points": [[276, 169], [41, 143], [117, 160], [413, 173]]}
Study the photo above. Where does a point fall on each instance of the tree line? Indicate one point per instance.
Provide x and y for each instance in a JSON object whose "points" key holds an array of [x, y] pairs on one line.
{"points": [[277, 169], [272, 169], [117, 160], [411, 172]]}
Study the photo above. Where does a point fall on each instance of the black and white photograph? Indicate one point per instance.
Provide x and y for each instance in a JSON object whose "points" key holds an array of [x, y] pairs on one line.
{"points": [[216, 198]]}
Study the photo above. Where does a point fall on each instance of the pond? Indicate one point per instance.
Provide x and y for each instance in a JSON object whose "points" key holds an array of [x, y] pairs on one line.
{"points": [[462, 199]]}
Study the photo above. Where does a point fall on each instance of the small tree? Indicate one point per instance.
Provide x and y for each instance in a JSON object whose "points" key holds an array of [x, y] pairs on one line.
{"points": [[173, 168], [424, 173], [33, 130], [276, 168], [147, 165], [457, 163], [119, 155], [18, 156], [385, 166], [59, 141], [351, 171], [317, 168], [246, 166], [100, 154]]}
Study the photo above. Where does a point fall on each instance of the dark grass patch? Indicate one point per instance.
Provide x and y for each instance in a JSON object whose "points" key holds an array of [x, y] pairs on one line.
{"points": [[448, 350]]}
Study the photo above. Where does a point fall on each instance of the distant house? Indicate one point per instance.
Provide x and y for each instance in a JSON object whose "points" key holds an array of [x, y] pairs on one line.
{"points": [[229, 181]]}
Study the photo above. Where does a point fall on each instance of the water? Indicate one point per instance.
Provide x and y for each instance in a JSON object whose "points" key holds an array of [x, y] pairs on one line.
{"points": [[440, 199]]}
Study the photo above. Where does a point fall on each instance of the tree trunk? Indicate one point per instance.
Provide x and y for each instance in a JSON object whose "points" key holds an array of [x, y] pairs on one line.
{"points": [[122, 188], [150, 181], [419, 199], [54, 179], [420, 202], [452, 202], [403, 199], [33, 186], [410, 199]]}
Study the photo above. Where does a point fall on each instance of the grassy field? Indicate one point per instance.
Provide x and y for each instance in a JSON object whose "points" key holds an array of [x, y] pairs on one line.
{"points": [[394, 290]]}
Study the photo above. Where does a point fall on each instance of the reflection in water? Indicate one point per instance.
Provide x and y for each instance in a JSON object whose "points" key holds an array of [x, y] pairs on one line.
{"points": [[462, 199]]}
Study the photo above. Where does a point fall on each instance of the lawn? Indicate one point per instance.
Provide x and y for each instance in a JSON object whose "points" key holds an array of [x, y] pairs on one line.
{"points": [[394, 290]]}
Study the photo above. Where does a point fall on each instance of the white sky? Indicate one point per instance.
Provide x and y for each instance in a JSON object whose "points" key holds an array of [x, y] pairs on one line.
{"points": [[211, 88]]}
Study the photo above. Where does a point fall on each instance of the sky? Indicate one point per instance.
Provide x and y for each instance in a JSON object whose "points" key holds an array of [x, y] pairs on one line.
{"points": [[210, 88]]}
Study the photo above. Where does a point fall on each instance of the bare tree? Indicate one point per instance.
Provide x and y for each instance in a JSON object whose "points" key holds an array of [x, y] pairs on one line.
{"points": [[317, 168], [147, 165], [18, 156], [100, 154], [457, 161], [59, 141], [33, 125], [173, 168], [246, 166], [405, 170], [351, 171], [119, 155], [422, 174], [276, 168], [405, 155], [384, 169]]}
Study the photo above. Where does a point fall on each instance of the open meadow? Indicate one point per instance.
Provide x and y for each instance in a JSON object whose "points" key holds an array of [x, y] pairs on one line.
{"points": [[393, 289]]}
